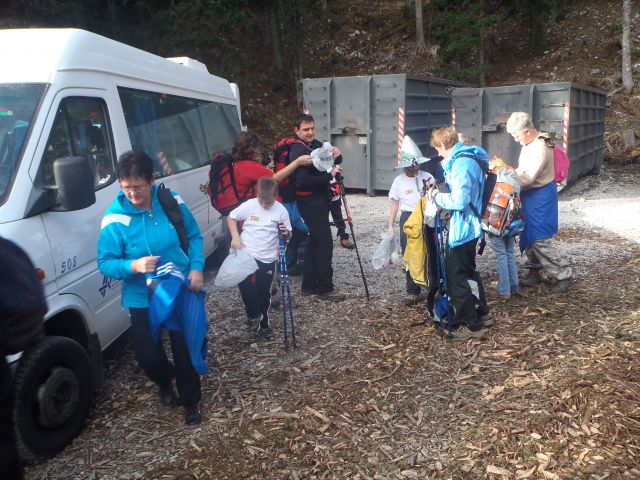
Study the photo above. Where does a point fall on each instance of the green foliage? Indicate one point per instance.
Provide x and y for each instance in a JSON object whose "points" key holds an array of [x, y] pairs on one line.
{"points": [[457, 27], [537, 15]]}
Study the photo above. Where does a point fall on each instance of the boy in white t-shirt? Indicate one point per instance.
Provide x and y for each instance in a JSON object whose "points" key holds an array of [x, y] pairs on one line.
{"points": [[260, 237]]}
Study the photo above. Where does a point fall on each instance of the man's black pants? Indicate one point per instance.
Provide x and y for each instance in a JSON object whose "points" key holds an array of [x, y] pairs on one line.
{"points": [[153, 360], [318, 272], [461, 267], [256, 292]]}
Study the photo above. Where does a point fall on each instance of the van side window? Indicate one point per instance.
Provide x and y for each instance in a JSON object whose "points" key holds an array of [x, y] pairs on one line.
{"points": [[81, 128], [179, 133]]}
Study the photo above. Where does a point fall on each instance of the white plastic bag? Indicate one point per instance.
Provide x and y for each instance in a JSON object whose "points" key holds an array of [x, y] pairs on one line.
{"points": [[430, 212], [322, 157], [384, 253], [238, 265]]}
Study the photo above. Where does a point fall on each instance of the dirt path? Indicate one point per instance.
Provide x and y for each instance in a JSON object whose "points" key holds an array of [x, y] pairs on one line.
{"points": [[552, 392]]}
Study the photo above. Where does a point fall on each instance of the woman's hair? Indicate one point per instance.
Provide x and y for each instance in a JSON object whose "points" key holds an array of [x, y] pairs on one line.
{"points": [[267, 186], [245, 146], [133, 163], [518, 122], [445, 137]]}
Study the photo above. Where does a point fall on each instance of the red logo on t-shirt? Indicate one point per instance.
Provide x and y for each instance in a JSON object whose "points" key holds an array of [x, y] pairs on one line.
{"points": [[255, 218]]}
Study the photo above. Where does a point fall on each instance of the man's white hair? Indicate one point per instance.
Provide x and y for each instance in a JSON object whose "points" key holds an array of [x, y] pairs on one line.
{"points": [[519, 121]]}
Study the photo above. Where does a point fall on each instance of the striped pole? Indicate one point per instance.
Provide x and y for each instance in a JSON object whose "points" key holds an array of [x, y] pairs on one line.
{"points": [[453, 117], [400, 130], [565, 127]]}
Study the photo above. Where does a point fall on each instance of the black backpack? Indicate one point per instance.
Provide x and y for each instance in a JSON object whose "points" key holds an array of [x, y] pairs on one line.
{"points": [[172, 209]]}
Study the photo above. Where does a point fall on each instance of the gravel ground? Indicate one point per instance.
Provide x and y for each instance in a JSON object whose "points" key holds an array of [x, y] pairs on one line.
{"points": [[129, 435]]}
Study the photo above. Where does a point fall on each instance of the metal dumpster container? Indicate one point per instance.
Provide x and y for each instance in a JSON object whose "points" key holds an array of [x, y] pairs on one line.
{"points": [[575, 113], [366, 117]]}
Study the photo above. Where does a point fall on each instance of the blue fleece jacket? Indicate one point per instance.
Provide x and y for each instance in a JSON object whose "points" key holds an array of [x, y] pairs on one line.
{"points": [[128, 233], [465, 179]]}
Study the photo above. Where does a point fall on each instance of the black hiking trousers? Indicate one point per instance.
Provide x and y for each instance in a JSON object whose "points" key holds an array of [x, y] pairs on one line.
{"points": [[317, 274], [153, 360], [461, 269]]}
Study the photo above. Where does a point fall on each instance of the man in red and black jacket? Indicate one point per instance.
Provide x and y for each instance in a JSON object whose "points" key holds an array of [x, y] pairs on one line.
{"points": [[313, 199]]}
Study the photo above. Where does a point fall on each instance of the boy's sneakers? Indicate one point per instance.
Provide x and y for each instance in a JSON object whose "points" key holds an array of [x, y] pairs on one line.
{"points": [[332, 296], [464, 333], [294, 271], [266, 333], [254, 323], [168, 396], [192, 415]]}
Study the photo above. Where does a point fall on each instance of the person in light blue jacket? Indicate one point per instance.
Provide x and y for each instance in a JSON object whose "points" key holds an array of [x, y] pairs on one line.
{"points": [[464, 178], [135, 234]]}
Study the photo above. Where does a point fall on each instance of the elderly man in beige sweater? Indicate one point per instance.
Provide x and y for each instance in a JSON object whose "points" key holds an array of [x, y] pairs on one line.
{"points": [[539, 204]]}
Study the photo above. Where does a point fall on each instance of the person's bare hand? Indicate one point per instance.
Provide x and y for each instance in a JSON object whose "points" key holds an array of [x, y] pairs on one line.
{"points": [[304, 160], [145, 264], [335, 171], [335, 152], [236, 243], [197, 280]]}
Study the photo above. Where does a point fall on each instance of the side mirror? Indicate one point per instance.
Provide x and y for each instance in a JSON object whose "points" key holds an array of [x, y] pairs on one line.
{"points": [[74, 181]]}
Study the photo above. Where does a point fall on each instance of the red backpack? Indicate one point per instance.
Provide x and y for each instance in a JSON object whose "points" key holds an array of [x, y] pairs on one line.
{"points": [[560, 159], [281, 160], [222, 189]]}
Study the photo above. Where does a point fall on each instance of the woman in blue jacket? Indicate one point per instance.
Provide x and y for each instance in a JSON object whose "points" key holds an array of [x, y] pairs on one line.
{"points": [[135, 234], [465, 179]]}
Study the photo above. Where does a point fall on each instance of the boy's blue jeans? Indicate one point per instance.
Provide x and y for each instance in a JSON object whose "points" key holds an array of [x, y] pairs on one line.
{"points": [[504, 249]]}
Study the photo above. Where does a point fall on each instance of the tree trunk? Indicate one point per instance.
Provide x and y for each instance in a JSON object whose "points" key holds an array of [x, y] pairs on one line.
{"points": [[297, 68], [324, 4], [627, 77], [421, 47], [275, 37], [481, 77]]}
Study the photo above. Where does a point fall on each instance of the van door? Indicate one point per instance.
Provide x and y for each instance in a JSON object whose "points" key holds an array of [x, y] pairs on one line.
{"points": [[79, 125]]}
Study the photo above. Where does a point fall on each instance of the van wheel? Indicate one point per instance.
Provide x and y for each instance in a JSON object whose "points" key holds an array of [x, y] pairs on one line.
{"points": [[53, 388]]}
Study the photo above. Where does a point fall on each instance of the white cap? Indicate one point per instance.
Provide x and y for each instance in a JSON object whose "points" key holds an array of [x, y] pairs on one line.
{"points": [[410, 154]]}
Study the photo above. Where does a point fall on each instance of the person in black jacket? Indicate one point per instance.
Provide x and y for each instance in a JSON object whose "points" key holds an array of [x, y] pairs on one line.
{"points": [[313, 199], [22, 310]]}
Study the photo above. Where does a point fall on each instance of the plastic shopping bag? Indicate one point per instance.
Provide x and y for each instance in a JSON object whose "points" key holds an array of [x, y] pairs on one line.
{"points": [[430, 212], [384, 253], [238, 265], [322, 157]]}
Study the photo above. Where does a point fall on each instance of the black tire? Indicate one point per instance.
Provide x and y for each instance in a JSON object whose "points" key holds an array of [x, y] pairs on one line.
{"points": [[53, 390]]}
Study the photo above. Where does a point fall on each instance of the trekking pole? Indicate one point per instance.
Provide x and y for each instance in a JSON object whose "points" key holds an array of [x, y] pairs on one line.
{"points": [[287, 303], [340, 180]]}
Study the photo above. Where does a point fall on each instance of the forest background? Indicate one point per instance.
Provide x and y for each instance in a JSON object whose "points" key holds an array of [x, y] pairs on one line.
{"points": [[268, 46]]}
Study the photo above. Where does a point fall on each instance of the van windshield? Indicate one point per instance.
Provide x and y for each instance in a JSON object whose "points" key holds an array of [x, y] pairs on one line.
{"points": [[18, 105]]}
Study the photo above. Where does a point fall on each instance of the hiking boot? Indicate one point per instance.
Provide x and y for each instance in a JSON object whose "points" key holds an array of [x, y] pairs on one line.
{"points": [[332, 296], [531, 279], [192, 415], [266, 333], [561, 286], [168, 396], [464, 333], [253, 324], [345, 243], [307, 293], [410, 299], [487, 320]]}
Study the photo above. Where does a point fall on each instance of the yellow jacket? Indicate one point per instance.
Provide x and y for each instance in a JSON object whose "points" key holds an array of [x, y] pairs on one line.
{"points": [[415, 258]]}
